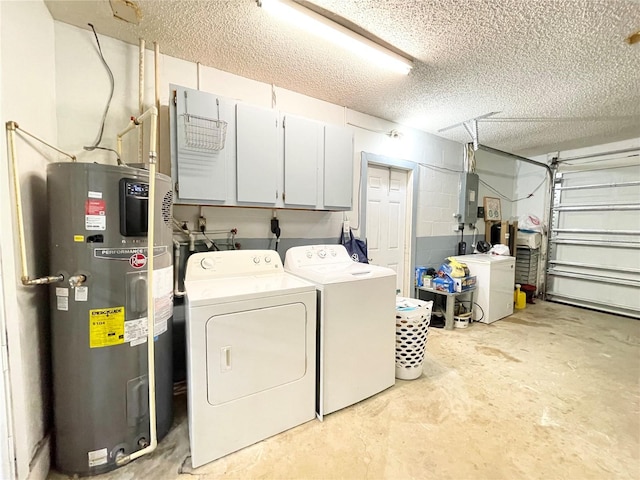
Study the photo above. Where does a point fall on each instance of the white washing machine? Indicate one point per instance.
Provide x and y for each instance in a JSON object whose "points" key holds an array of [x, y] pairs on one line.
{"points": [[356, 324], [251, 349]]}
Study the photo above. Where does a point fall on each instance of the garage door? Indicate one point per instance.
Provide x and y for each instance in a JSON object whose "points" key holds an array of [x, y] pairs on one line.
{"points": [[594, 251]]}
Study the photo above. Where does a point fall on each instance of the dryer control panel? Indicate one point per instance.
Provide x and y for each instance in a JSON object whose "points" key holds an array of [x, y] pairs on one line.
{"points": [[207, 265]]}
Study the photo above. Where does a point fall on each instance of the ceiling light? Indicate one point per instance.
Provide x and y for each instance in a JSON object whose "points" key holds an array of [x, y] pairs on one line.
{"points": [[325, 28]]}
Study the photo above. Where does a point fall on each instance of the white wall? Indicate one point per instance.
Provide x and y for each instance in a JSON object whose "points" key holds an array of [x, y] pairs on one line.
{"points": [[7, 466], [27, 96], [531, 179], [82, 88], [499, 172]]}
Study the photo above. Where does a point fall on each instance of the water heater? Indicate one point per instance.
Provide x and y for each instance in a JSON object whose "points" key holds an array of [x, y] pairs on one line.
{"points": [[98, 234]]}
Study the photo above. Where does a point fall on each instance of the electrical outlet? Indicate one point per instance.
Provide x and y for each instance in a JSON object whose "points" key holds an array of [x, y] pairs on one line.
{"points": [[275, 227], [456, 228], [202, 224]]}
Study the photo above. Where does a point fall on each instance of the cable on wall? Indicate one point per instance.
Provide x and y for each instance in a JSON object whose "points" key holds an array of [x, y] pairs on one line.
{"points": [[106, 110], [502, 195], [493, 189]]}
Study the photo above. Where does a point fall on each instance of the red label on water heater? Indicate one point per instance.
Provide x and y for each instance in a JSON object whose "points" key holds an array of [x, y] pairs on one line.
{"points": [[138, 260], [95, 207]]}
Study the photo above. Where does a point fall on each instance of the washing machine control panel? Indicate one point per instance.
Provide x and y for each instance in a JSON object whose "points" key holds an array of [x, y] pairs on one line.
{"points": [[207, 265], [317, 255]]}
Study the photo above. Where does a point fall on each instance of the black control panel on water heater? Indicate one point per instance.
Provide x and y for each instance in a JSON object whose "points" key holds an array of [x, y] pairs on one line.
{"points": [[134, 200]]}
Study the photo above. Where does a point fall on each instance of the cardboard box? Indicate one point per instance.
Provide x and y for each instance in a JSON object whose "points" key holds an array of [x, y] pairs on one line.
{"points": [[444, 284], [452, 285], [421, 272], [463, 284]]}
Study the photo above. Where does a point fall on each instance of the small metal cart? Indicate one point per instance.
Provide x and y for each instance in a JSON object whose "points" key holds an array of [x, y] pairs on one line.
{"points": [[451, 300]]}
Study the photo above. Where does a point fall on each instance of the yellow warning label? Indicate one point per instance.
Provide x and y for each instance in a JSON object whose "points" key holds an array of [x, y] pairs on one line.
{"points": [[78, 238], [106, 327]]}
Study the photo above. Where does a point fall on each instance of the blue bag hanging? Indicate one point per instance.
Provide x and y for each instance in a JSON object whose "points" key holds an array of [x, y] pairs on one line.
{"points": [[357, 248]]}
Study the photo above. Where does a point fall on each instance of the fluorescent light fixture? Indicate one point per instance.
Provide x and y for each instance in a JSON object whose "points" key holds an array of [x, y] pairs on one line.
{"points": [[325, 28]]}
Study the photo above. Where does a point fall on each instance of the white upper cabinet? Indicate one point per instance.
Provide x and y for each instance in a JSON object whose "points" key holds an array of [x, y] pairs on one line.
{"points": [[257, 157], [338, 167], [302, 160], [200, 124], [228, 153]]}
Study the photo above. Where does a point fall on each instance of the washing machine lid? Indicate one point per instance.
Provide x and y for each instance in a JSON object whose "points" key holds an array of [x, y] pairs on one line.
{"points": [[483, 258], [245, 287], [326, 264]]}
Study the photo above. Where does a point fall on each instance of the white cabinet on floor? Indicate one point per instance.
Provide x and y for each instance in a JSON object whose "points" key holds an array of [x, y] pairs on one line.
{"points": [[495, 280], [257, 154]]}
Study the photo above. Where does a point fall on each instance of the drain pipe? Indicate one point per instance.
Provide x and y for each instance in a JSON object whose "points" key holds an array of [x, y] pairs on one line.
{"points": [[152, 116], [177, 293], [12, 128]]}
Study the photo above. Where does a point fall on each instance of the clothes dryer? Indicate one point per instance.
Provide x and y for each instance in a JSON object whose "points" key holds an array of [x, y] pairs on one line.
{"points": [[251, 350], [356, 324]]}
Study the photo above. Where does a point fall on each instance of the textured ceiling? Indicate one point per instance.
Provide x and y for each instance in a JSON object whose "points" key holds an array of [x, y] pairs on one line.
{"points": [[530, 60]]}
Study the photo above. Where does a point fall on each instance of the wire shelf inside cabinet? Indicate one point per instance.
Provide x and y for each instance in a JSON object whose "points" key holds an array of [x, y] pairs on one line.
{"points": [[204, 134]]}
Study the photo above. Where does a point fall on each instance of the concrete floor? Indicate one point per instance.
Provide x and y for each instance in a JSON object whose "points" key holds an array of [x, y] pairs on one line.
{"points": [[550, 392]]}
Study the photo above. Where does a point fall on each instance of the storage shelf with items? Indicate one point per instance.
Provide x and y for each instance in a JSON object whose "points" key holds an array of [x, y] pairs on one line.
{"points": [[502, 232], [528, 258]]}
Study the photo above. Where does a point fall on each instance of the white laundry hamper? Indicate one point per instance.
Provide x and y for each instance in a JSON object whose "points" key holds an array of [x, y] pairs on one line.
{"points": [[412, 327]]}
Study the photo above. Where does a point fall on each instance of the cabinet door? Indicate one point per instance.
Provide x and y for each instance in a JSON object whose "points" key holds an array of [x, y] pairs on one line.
{"points": [[202, 121], [338, 167], [257, 154], [302, 141]]}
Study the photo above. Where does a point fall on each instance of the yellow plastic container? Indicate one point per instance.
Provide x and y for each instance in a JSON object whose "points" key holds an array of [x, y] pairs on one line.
{"points": [[519, 298]]}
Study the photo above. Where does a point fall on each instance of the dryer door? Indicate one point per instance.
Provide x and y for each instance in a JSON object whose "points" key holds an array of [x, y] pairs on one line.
{"points": [[254, 350]]}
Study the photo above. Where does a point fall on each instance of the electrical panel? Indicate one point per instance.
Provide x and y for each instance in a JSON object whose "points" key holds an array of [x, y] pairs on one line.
{"points": [[468, 200]]}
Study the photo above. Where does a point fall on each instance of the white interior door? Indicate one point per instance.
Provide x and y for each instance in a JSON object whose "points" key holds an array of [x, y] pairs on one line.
{"points": [[386, 219]]}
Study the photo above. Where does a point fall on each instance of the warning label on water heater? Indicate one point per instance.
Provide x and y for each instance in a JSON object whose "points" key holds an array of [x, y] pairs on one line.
{"points": [[136, 331], [106, 327], [95, 214], [98, 457]]}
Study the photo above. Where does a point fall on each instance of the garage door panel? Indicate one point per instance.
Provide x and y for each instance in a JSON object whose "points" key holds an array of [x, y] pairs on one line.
{"points": [[614, 296], [594, 246], [622, 276], [598, 255], [621, 220]]}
